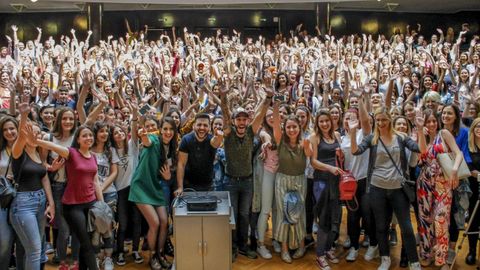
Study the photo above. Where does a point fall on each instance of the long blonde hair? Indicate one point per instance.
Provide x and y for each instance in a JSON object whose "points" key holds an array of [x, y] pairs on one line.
{"points": [[376, 132], [471, 136]]}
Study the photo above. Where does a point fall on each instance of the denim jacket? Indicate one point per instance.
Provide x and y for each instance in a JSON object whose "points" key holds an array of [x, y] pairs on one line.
{"points": [[403, 142]]}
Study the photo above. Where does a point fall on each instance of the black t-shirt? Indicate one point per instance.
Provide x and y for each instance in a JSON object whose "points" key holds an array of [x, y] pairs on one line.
{"points": [[199, 167], [27, 173]]}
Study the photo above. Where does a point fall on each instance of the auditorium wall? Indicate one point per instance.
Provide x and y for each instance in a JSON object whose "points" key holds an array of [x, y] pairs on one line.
{"points": [[249, 22]]}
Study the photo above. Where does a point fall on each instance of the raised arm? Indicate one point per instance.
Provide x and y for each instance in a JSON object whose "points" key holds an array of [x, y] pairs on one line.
{"points": [[364, 118], [21, 141], [257, 121], [277, 129]]}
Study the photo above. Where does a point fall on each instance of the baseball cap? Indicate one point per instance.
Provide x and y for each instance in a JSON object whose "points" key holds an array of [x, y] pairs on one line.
{"points": [[240, 112]]}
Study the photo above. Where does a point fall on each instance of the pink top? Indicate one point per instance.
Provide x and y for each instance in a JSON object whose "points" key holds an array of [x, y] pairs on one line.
{"points": [[81, 173], [271, 160]]}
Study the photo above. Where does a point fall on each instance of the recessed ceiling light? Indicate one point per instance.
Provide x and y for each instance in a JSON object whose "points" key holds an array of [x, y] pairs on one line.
{"points": [[33, 1]]}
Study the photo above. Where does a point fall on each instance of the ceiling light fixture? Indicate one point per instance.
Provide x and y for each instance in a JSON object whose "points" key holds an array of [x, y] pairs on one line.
{"points": [[33, 1]]}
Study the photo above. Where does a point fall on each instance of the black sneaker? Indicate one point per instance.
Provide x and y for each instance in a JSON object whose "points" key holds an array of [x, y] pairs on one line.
{"points": [[248, 253], [393, 237], [13, 263], [137, 257], [56, 259], [169, 249], [121, 259]]}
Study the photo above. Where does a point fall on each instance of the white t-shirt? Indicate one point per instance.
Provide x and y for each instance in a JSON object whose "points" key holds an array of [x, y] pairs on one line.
{"points": [[357, 165], [60, 176], [104, 168], [4, 159], [126, 165]]}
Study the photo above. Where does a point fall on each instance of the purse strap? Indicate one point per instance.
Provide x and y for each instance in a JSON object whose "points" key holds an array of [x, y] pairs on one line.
{"points": [[8, 166], [394, 164]]}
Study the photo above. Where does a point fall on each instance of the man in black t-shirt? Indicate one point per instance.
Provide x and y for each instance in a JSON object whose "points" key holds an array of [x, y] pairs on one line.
{"points": [[196, 155]]}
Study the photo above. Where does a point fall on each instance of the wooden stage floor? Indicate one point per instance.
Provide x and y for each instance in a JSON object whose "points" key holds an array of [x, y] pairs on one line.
{"points": [[307, 262]]}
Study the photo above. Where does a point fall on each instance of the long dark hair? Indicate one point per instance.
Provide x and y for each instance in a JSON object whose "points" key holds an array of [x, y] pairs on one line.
{"points": [[428, 113], [125, 142], [172, 145], [79, 130], [57, 126], [107, 150], [3, 121], [456, 124], [316, 128]]}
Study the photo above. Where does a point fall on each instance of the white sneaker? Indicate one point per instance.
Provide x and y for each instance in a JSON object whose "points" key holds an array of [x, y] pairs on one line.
{"points": [[415, 266], [108, 264], [386, 262], [347, 243], [276, 246], [372, 253], [264, 252], [352, 255]]}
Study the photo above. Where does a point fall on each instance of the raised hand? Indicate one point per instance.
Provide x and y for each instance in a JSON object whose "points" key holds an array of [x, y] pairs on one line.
{"points": [[419, 119], [24, 108], [353, 123], [89, 32], [14, 28], [39, 29]]}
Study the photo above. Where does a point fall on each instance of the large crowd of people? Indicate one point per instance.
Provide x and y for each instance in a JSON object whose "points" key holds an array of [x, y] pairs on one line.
{"points": [[122, 127]]}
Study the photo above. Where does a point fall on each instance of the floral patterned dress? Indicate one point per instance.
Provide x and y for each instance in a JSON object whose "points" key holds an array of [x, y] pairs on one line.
{"points": [[434, 194]]}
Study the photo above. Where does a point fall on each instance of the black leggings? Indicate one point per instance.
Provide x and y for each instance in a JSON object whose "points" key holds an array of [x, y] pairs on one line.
{"points": [[386, 202], [128, 213], [354, 217], [309, 205], [76, 216]]}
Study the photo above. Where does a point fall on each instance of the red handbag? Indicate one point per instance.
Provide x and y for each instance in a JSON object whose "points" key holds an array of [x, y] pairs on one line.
{"points": [[347, 184]]}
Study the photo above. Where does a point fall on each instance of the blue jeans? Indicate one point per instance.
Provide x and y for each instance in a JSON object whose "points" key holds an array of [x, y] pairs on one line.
{"points": [[27, 215], [241, 195], [6, 239]]}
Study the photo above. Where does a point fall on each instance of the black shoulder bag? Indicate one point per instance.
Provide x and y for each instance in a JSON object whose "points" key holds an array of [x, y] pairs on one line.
{"points": [[408, 187], [7, 189]]}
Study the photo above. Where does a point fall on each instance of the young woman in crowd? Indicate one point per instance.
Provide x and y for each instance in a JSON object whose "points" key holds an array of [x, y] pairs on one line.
{"points": [[387, 172], [292, 161], [62, 134], [107, 162], [326, 144], [355, 165], [9, 128], [83, 189], [33, 203], [270, 166], [146, 190], [451, 121], [435, 190], [127, 151]]}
